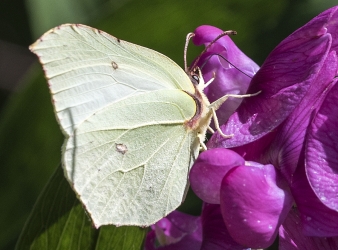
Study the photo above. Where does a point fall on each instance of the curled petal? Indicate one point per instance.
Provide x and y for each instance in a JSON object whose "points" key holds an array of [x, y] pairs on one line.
{"points": [[205, 34], [208, 171], [329, 17], [252, 205], [223, 60]]}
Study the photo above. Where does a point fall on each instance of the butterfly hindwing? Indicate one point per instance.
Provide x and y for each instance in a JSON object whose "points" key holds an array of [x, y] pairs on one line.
{"points": [[129, 162]]}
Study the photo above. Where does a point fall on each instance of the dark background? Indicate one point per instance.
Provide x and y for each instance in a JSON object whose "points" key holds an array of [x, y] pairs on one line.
{"points": [[30, 139]]}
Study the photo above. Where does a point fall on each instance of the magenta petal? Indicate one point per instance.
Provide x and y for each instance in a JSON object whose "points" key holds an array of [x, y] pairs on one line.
{"points": [[332, 25], [317, 219], [322, 151], [253, 206], [228, 79], [254, 151], [291, 236], [205, 34], [289, 141], [284, 80], [208, 171], [177, 231], [215, 234]]}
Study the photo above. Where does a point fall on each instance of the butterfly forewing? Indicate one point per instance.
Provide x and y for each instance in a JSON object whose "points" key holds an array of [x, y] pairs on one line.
{"points": [[88, 69]]}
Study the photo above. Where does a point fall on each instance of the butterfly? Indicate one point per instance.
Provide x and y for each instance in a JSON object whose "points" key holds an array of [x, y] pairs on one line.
{"points": [[134, 122]]}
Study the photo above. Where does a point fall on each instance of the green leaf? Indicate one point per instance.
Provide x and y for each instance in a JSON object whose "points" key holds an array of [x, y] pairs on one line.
{"points": [[126, 237], [58, 221]]}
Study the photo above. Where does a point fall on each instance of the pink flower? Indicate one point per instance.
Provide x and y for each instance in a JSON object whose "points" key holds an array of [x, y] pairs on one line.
{"points": [[288, 137], [278, 174]]}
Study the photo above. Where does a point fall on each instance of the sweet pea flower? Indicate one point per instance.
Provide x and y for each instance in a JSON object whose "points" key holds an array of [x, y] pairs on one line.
{"points": [[287, 137], [278, 174]]}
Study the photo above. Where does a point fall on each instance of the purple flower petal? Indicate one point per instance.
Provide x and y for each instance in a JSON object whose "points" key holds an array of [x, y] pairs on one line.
{"points": [[205, 34], [284, 80], [285, 150], [291, 236], [292, 123], [228, 79], [215, 234], [253, 206], [322, 151], [317, 219], [208, 171], [256, 150], [332, 25], [177, 231]]}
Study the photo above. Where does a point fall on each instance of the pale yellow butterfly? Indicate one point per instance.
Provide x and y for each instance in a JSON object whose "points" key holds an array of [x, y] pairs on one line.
{"points": [[133, 120]]}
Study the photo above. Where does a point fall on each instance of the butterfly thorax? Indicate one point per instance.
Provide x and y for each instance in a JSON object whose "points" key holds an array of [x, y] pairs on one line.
{"points": [[201, 120]]}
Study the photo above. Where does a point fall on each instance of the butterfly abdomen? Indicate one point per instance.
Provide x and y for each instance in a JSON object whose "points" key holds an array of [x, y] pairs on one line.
{"points": [[201, 120]]}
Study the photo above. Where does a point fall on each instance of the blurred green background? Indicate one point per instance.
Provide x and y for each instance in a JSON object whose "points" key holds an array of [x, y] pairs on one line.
{"points": [[30, 139]]}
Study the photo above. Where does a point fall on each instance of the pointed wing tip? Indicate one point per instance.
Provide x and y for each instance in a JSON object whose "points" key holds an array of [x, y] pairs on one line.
{"points": [[33, 46]]}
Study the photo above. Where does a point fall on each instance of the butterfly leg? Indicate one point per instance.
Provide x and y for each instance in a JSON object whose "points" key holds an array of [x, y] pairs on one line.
{"points": [[211, 130], [201, 140], [217, 125], [216, 104], [210, 81]]}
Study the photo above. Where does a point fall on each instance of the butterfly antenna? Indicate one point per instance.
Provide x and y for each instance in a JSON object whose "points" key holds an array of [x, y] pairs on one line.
{"points": [[189, 36], [215, 54], [224, 33]]}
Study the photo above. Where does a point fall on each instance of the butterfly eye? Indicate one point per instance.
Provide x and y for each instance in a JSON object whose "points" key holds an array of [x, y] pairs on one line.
{"points": [[194, 76]]}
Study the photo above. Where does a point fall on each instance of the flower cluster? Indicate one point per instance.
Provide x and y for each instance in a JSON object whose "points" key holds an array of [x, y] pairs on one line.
{"points": [[278, 174]]}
